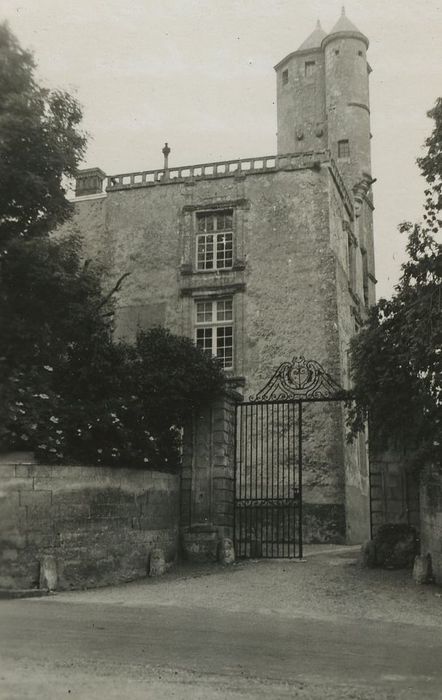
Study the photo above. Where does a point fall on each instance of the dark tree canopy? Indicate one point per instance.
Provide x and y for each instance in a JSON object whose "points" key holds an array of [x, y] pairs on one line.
{"points": [[40, 145], [397, 357]]}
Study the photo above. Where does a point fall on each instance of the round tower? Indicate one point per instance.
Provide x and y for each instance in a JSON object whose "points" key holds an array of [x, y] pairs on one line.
{"points": [[300, 97], [347, 100]]}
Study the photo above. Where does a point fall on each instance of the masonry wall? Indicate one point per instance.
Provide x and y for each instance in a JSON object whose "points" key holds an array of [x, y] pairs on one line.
{"points": [[394, 490], [100, 523], [431, 519], [289, 284]]}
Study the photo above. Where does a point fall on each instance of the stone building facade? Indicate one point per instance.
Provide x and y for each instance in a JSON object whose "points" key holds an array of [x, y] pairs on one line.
{"points": [[265, 258]]}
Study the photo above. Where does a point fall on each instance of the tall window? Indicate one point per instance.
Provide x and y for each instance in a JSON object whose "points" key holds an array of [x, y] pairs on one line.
{"points": [[343, 149], [285, 77], [214, 329], [214, 245]]}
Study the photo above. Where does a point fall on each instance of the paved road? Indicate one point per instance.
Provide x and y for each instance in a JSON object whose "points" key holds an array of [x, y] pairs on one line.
{"points": [[56, 649]]}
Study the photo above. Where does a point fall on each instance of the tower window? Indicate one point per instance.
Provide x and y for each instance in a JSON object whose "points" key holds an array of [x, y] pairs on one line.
{"points": [[285, 77], [214, 329], [310, 67], [360, 53], [214, 244], [336, 52], [343, 149]]}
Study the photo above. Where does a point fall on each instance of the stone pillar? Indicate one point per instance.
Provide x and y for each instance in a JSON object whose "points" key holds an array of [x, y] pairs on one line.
{"points": [[207, 486]]}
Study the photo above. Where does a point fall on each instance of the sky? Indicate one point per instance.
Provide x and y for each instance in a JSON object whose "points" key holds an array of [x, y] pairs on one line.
{"points": [[199, 74]]}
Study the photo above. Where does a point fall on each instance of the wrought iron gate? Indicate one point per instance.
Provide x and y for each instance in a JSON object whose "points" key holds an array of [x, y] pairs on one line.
{"points": [[268, 460]]}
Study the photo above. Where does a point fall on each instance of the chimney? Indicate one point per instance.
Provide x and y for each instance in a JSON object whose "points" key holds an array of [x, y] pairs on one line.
{"points": [[166, 151]]}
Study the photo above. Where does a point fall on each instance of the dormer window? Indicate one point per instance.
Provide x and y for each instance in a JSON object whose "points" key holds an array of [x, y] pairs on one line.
{"points": [[285, 77], [310, 67]]}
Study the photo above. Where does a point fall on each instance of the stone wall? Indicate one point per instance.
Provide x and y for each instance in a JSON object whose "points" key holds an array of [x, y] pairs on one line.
{"points": [[431, 520], [99, 523], [207, 492], [394, 490]]}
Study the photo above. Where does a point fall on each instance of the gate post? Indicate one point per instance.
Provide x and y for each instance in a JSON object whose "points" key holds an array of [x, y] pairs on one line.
{"points": [[208, 479]]}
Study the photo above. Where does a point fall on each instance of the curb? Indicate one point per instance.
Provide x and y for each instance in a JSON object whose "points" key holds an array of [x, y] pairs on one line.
{"points": [[13, 593]]}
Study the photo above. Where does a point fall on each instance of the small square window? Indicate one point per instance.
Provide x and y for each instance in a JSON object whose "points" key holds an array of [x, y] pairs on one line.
{"points": [[310, 67], [343, 149], [360, 53], [336, 52], [285, 77]]}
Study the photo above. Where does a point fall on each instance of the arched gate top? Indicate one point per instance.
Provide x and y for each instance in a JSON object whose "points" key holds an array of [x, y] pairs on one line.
{"points": [[300, 379]]}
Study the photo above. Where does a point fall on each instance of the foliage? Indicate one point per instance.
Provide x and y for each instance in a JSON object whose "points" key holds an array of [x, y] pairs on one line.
{"points": [[68, 391], [124, 405], [397, 357]]}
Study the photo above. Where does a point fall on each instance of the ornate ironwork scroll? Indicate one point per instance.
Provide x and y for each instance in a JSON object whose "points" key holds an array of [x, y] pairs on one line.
{"points": [[299, 379]]}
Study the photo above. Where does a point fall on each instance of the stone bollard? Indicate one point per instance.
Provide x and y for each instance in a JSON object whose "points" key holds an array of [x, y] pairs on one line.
{"points": [[48, 573], [368, 555], [157, 563], [226, 551], [422, 569]]}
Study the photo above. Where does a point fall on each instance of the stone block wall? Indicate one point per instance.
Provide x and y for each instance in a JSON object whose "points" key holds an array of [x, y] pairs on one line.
{"points": [[99, 523], [394, 491], [431, 519]]}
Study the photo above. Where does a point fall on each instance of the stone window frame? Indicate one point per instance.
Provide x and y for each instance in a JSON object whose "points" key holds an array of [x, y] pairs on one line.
{"points": [[188, 227], [234, 291]]}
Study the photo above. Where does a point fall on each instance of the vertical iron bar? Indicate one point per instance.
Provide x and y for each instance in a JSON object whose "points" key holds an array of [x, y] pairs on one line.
{"points": [[249, 507], [272, 485], [277, 479], [261, 511], [256, 474], [289, 407], [246, 452], [284, 454], [241, 453], [235, 471], [267, 480], [300, 478]]}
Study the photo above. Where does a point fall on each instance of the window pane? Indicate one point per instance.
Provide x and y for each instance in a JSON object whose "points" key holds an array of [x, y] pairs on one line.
{"points": [[224, 345], [204, 339], [205, 252], [204, 312], [224, 310], [224, 250]]}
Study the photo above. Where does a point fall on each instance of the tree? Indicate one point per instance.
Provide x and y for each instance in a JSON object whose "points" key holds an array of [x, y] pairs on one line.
{"points": [[68, 391], [397, 357]]}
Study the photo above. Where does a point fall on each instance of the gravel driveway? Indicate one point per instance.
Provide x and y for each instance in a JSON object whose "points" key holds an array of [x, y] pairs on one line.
{"points": [[328, 584]]}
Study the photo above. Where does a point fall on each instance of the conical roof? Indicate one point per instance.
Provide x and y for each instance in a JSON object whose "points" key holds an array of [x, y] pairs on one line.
{"points": [[314, 41], [344, 25]]}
